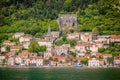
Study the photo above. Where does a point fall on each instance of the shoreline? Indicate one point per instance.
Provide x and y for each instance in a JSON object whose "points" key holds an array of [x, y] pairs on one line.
{"points": [[49, 67]]}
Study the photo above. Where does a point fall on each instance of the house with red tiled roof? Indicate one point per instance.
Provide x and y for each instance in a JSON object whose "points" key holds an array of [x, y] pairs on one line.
{"points": [[93, 62], [72, 49], [36, 61], [74, 35], [15, 48], [8, 43], [10, 54], [25, 38], [86, 36], [47, 55], [92, 47], [11, 61], [104, 38], [18, 60], [2, 58], [117, 61], [62, 50], [45, 42], [80, 49], [26, 44], [115, 38], [59, 58], [3, 48]]}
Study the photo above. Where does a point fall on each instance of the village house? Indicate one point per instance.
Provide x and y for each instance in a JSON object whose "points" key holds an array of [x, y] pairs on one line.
{"points": [[115, 38], [11, 61], [59, 58], [18, 60], [2, 58], [10, 54], [104, 38], [8, 43], [51, 35], [47, 55], [99, 43], [86, 36], [25, 38], [36, 61], [72, 49], [80, 49], [15, 48], [32, 54], [105, 56], [74, 35], [62, 50], [92, 47], [26, 44], [3, 49], [87, 55], [43, 42], [18, 34], [93, 62], [79, 60], [117, 61]]}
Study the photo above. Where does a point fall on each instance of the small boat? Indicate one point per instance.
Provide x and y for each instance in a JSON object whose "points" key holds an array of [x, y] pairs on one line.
{"points": [[76, 66]]}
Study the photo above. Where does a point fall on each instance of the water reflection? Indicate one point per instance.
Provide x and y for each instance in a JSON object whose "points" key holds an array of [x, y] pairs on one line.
{"points": [[59, 74]]}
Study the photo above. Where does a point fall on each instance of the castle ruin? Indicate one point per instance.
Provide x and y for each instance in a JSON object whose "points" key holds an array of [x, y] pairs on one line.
{"points": [[67, 21]]}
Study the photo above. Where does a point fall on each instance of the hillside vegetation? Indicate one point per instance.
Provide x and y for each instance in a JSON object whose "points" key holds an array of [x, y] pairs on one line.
{"points": [[34, 16]]}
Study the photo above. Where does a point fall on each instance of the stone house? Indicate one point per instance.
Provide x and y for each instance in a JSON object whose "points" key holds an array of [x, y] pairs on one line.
{"points": [[8, 43], [25, 38], [18, 34], [36, 61], [15, 48], [86, 36], [115, 38], [93, 62], [62, 50], [43, 42], [74, 36]]}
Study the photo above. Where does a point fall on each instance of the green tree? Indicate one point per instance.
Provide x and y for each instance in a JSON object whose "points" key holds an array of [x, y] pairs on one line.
{"points": [[73, 54], [72, 43], [101, 50], [34, 46], [95, 31], [110, 60], [42, 48], [64, 38], [84, 61]]}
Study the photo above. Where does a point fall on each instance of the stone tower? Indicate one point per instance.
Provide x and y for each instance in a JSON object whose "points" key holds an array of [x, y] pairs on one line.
{"points": [[49, 36], [67, 21]]}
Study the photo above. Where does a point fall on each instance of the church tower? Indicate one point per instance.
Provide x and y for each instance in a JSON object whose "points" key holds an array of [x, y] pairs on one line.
{"points": [[49, 36]]}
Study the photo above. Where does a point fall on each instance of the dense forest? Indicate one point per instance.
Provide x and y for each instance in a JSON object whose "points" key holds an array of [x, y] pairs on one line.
{"points": [[34, 16]]}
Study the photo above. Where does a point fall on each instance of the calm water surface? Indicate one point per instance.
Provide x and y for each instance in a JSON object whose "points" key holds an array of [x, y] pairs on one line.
{"points": [[59, 74]]}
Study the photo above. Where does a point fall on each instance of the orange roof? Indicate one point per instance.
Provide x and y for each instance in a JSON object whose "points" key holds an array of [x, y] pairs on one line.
{"points": [[7, 41], [107, 54], [73, 34], [98, 54], [15, 47], [43, 40], [25, 51], [79, 58], [27, 36], [80, 44], [115, 36], [58, 57], [35, 57]]}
